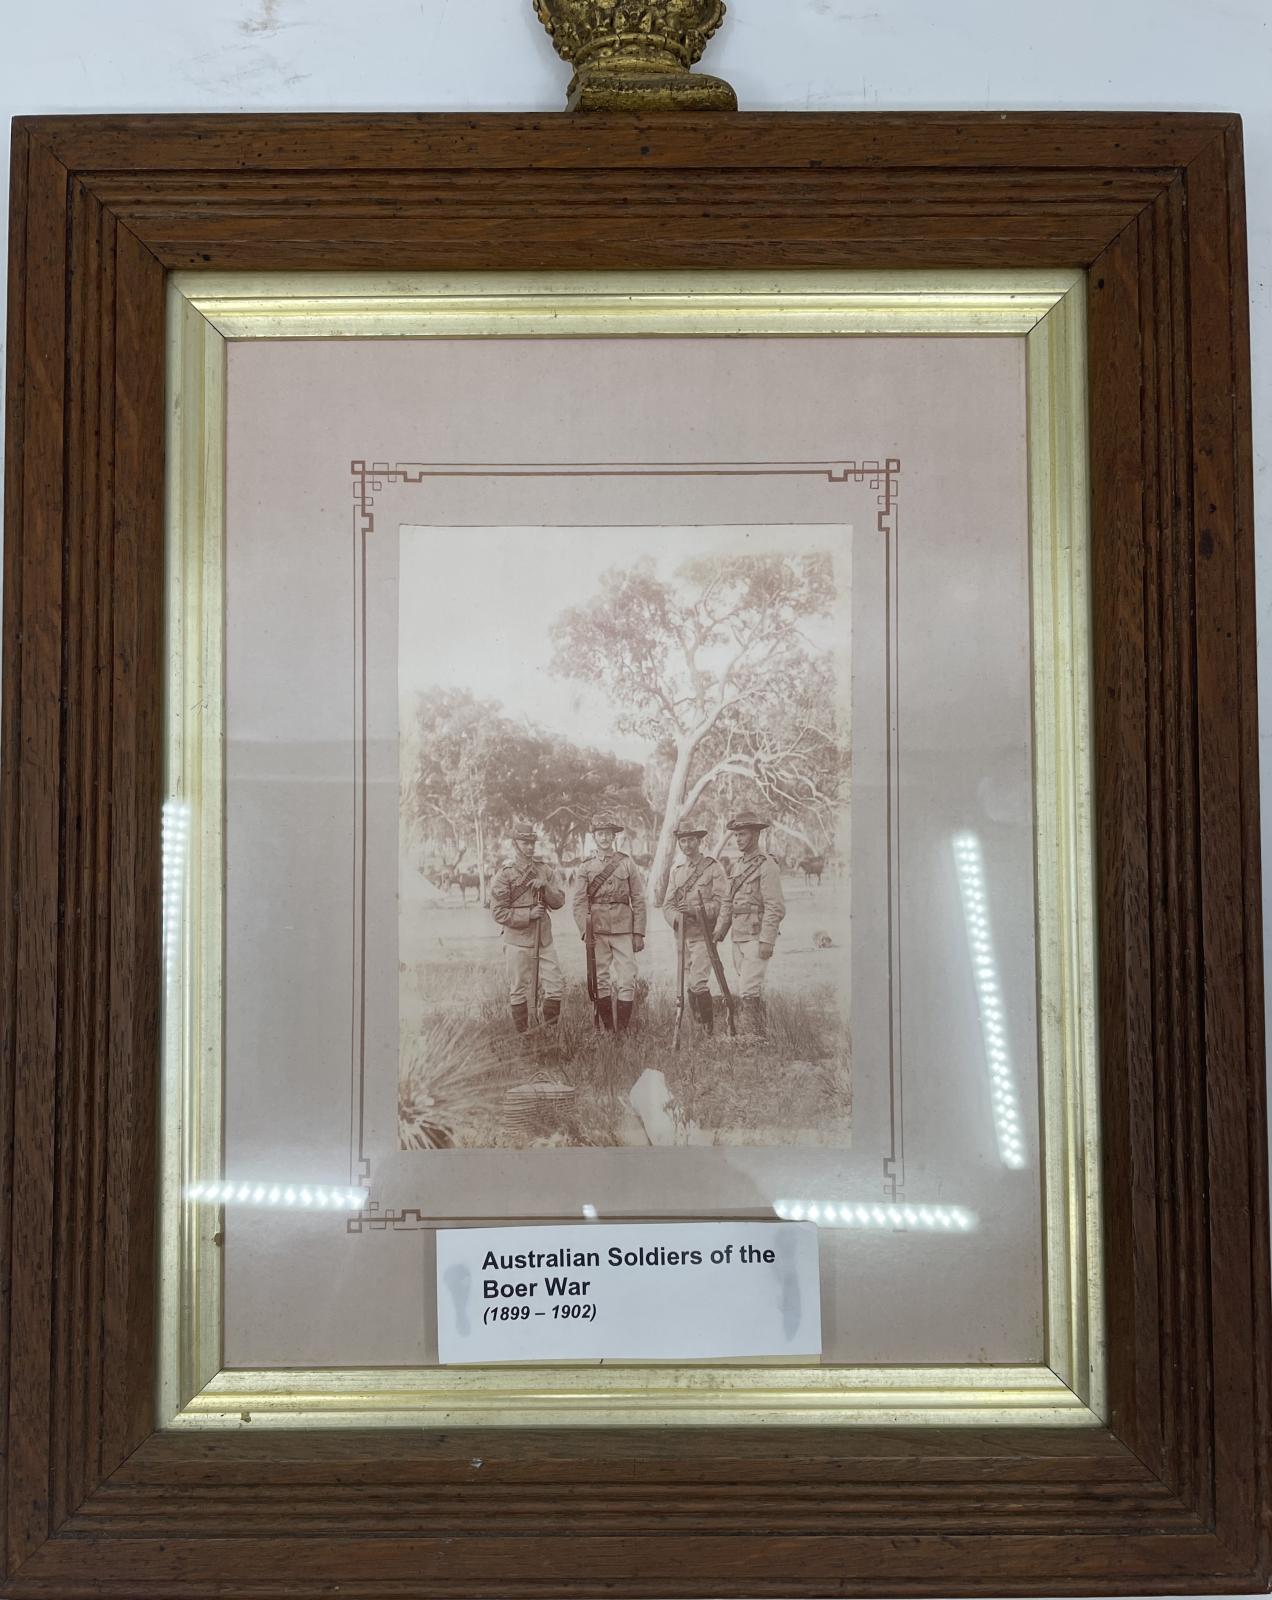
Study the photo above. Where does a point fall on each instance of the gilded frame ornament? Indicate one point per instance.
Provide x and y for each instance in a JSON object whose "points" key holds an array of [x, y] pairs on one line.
{"points": [[1047, 310], [1171, 1492]]}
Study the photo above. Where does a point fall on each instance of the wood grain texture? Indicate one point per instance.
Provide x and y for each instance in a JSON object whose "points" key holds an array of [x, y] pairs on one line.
{"points": [[72, 1311], [136, 794], [10, 788], [1174, 1495], [1232, 1006], [1009, 141], [34, 892]]}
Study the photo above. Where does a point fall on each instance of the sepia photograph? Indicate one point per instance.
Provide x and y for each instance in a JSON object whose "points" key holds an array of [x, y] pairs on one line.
{"points": [[624, 866]]}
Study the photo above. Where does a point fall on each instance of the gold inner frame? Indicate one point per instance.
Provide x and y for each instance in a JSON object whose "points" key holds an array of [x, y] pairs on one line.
{"points": [[1048, 310]]}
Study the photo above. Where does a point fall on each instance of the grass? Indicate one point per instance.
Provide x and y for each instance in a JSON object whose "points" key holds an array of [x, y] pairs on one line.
{"points": [[460, 1058]]}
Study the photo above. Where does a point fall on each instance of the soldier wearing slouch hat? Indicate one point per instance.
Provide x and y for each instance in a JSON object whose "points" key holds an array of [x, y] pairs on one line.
{"points": [[522, 894], [698, 877], [752, 911], [610, 891]]}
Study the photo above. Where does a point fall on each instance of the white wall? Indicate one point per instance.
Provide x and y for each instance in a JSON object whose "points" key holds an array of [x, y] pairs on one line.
{"points": [[337, 55]]}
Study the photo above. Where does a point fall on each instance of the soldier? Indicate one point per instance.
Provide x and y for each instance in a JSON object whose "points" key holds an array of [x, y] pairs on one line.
{"points": [[698, 874], [522, 893], [611, 892], [753, 907]]}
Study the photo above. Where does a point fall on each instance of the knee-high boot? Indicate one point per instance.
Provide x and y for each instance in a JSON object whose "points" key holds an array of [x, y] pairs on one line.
{"points": [[520, 1015], [624, 1018], [704, 1010], [605, 1012]]}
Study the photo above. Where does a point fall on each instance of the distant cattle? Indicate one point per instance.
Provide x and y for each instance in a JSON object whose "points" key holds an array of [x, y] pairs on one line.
{"points": [[448, 879], [464, 881], [813, 867]]}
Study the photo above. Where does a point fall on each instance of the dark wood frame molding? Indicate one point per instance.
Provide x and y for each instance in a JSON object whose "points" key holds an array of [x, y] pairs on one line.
{"points": [[1174, 1495]]}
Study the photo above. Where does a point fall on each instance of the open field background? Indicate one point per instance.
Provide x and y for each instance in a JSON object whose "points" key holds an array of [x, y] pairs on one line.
{"points": [[460, 1058]]}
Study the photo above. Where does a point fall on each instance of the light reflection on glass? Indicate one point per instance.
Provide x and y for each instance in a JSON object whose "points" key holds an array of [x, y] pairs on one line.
{"points": [[970, 867], [175, 839], [311, 1197], [844, 1214]]}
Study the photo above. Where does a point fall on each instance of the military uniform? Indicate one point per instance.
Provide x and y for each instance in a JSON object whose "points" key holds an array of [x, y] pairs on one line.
{"points": [[610, 889], [521, 885], [753, 910], [690, 878]]}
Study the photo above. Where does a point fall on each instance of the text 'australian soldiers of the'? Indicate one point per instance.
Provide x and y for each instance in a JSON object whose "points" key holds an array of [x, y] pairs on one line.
{"points": [[609, 908]]}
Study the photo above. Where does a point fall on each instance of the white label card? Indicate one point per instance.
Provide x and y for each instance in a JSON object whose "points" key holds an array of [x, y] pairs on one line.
{"points": [[663, 1291]]}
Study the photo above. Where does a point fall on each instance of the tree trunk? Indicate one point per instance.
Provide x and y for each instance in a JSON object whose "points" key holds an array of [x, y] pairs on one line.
{"points": [[480, 831], [660, 867]]}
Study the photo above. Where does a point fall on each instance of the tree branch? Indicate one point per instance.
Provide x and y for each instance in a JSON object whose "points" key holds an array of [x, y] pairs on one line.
{"points": [[708, 778]]}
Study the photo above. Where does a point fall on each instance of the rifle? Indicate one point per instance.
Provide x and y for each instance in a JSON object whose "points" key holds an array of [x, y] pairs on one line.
{"points": [[680, 980], [717, 966], [538, 946], [590, 936]]}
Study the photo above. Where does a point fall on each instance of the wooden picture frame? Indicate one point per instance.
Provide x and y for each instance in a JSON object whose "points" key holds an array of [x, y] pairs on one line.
{"points": [[1173, 1496]]}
